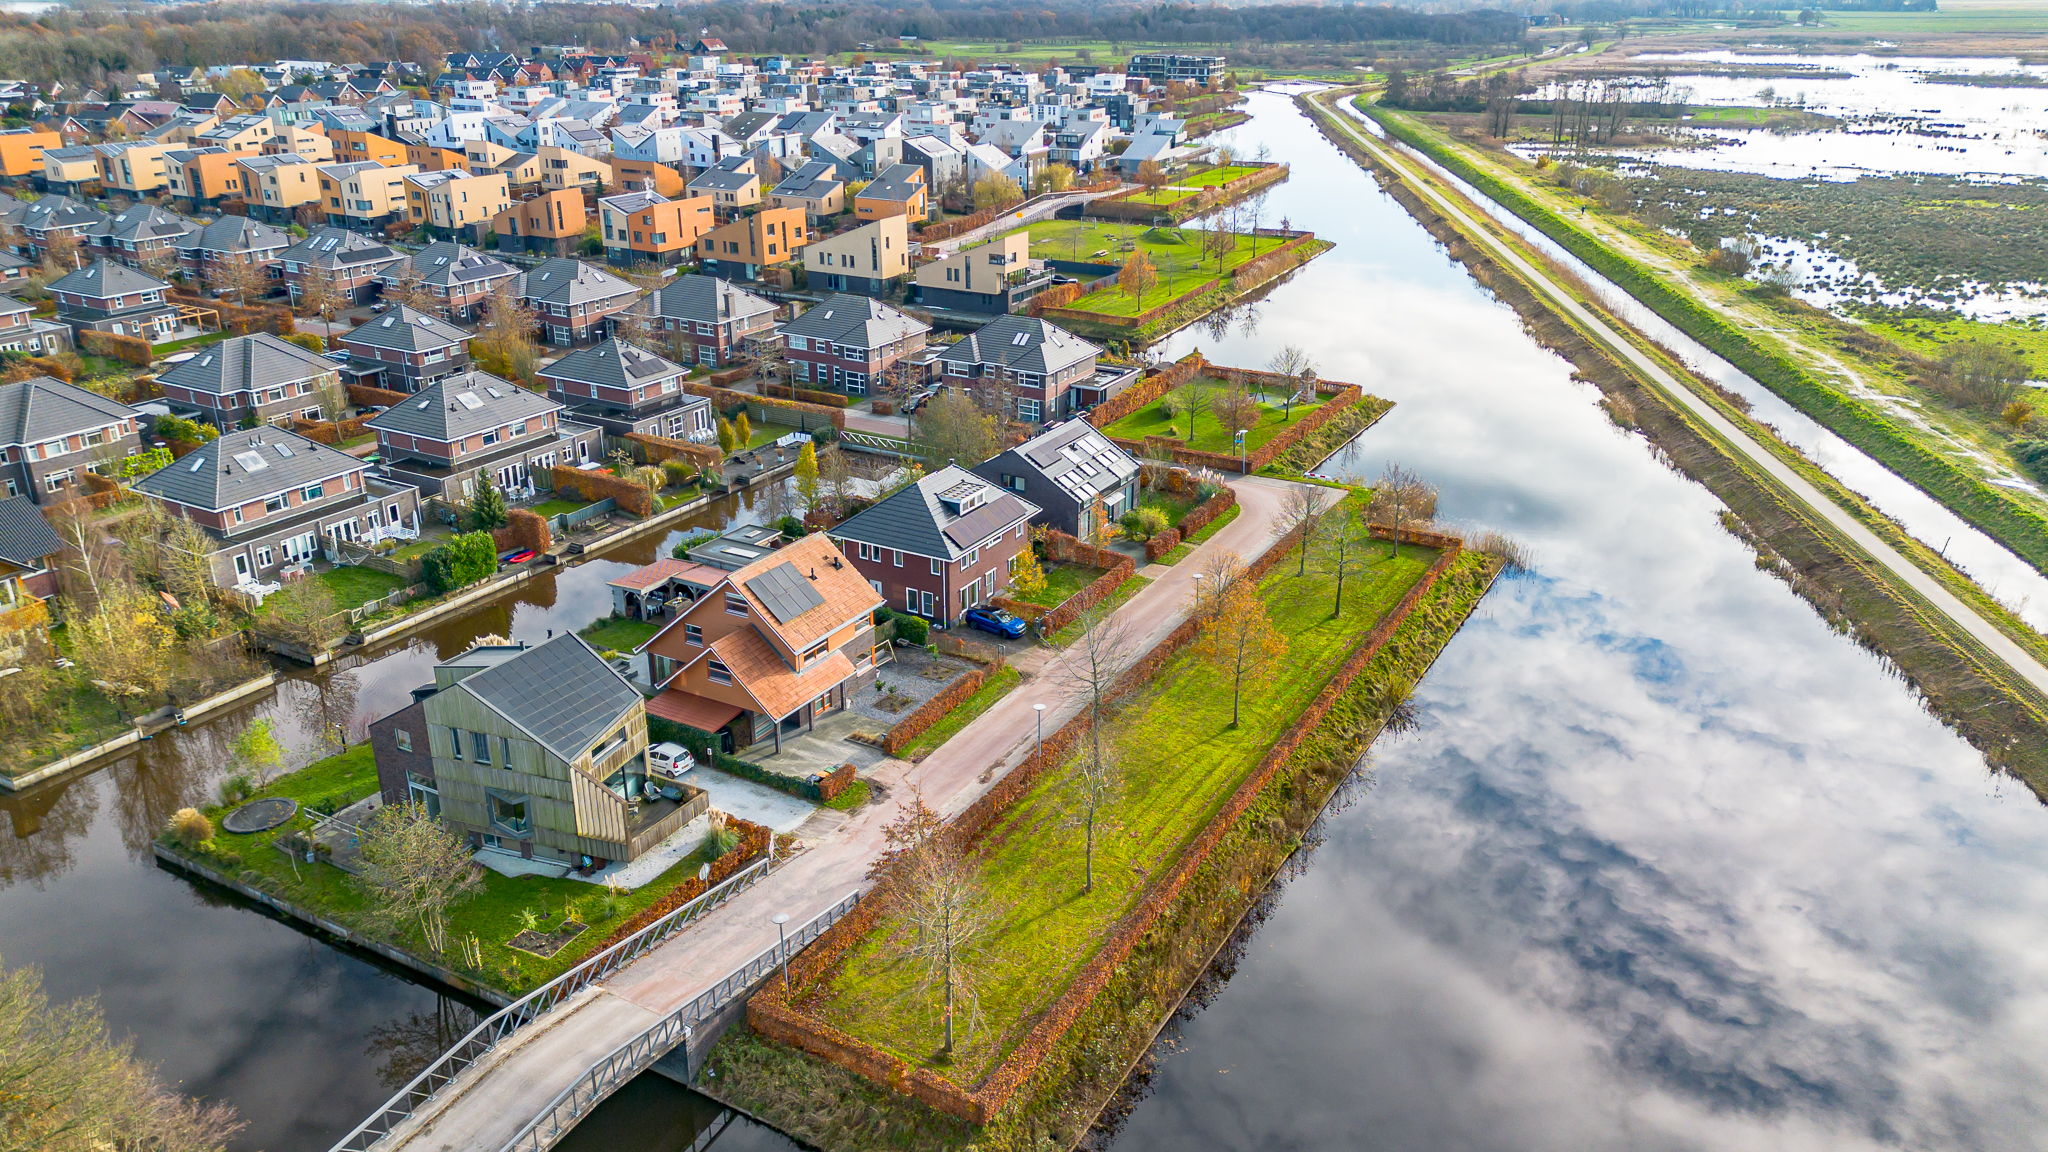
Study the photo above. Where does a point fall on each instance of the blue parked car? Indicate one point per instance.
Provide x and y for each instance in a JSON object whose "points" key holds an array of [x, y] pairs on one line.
{"points": [[994, 620]]}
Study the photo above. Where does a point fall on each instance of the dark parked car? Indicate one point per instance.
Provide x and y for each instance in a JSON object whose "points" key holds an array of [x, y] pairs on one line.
{"points": [[994, 620]]}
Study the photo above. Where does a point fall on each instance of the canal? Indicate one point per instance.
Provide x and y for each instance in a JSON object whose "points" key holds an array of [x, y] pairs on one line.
{"points": [[1667, 863]]}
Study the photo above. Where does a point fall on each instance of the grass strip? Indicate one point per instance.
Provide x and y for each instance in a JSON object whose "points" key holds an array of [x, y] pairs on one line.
{"points": [[1110, 603], [992, 689], [1991, 509]]}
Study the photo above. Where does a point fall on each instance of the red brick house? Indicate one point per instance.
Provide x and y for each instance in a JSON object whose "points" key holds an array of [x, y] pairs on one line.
{"points": [[941, 545], [845, 341]]}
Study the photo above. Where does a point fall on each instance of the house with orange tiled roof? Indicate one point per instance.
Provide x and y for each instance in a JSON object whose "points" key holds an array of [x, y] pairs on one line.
{"points": [[770, 649]]}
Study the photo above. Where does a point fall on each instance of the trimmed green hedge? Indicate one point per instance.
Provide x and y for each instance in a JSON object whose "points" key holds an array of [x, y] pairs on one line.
{"points": [[1985, 506], [702, 745]]}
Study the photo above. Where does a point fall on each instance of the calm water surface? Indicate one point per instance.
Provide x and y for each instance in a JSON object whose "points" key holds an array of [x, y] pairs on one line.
{"points": [[1668, 865]]}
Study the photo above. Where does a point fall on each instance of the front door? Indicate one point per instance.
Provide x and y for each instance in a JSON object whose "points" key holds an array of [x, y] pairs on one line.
{"points": [[241, 567]]}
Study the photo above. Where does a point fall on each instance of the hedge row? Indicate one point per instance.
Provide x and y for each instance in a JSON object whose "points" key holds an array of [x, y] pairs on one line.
{"points": [[806, 395], [725, 398], [1128, 207], [704, 746], [594, 485], [329, 432], [661, 448], [1198, 518], [1146, 390], [243, 319], [1985, 506], [753, 842], [933, 710], [1342, 396], [127, 349], [523, 529], [364, 396], [771, 1011]]}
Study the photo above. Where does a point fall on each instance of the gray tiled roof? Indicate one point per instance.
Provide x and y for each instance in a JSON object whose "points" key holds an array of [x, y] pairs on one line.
{"points": [[104, 278], [706, 298], [896, 182], [406, 331], [25, 537], [245, 363], [245, 466], [449, 264], [845, 318], [717, 181], [613, 364], [1021, 344], [913, 520], [565, 281], [42, 407], [458, 406], [142, 223], [561, 692], [812, 180], [338, 248], [241, 234]]}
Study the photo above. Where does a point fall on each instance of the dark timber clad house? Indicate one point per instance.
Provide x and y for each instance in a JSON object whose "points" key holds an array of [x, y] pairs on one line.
{"points": [[267, 498], [52, 432], [622, 388], [1065, 470], [404, 351], [941, 545], [541, 751], [440, 440]]}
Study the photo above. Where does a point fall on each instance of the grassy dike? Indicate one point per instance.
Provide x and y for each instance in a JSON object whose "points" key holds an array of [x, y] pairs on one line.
{"points": [[831, 1107], [2002, 715], [1993, 510]]}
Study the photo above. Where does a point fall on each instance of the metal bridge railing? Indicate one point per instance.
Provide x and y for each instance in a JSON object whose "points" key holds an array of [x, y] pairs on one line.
{"points": [[509, 1019], [638, 1054]]}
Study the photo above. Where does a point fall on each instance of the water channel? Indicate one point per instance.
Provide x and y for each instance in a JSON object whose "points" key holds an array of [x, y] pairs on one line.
{"points": [[1667, 865]]}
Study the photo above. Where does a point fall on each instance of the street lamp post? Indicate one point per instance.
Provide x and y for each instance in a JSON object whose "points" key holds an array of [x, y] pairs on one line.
{"points": [[780, 919], [1040, 709], [1198, 593]]}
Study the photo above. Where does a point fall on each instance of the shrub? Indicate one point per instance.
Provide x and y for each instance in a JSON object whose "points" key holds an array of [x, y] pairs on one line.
{"points": [[234, 790], [1143, 523], [127, 349], [462, 561], [2017, 414], [677, 472], [190, 827], [913, 629], [720, 839], [308, 341], [2033, 457]]}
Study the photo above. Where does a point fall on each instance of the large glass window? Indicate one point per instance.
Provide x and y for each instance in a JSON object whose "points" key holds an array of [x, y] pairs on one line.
{"points": [[509, 814]]}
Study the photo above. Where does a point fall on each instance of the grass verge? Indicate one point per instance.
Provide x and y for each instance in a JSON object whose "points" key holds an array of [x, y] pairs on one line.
{"points": [[1186, 548], [1110, 603], [992, 689]]}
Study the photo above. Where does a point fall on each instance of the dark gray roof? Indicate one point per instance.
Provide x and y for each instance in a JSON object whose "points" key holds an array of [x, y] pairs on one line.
{"points": [[896, 182], [42, 407], [561, 692], [719, 181], [339, 248], [446, 263], [457, 406], [613, 364], [1076, 457], [565, 281], [106, 278], [25, 537], [1021, 344], [747, 123], [812, 180], [785, 592], [143, 222], [240, 234], [242, 363], [245, 466], [59, 212], [917, 520], [845, 318], [405, 330], [706, 298]]}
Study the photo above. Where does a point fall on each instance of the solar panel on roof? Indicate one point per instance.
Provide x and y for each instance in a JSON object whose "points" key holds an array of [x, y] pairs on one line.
{"points": [[468, 400], [785, 592]]}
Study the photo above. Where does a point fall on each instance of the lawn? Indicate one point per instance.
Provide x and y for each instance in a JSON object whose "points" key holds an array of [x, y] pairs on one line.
{"points": [[1061, 581], [1176, 256], [1216, 177], [555, 506], [992, 689], [1208, 435], [492, 915], [1181, 760], [354, 587], [619, 633], [65, 723], [768, 433], [1124, 591]]}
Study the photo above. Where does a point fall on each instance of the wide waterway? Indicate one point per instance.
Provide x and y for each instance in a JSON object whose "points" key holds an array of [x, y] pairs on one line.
{"points": [[1667, 865]]}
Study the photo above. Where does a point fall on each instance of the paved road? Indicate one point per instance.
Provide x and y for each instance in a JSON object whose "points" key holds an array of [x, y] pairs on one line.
{"points": [[1027, 214], [1740, 438], [491, 1102]]}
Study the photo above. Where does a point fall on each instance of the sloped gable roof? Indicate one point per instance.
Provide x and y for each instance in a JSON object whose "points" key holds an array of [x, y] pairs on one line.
{"points": [[460, 406], [614, 364], [562, 693], [915, 520], [845, 318], [706, 298], [245, 363], [104, 278], [42, 407], [241, 234], [245, 466], [1021, 344], [405, 330], [25, 537], [565, 281]]}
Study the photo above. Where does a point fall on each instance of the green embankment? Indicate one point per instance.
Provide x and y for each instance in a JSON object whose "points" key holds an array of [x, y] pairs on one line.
{"points": [[1993, 510]]}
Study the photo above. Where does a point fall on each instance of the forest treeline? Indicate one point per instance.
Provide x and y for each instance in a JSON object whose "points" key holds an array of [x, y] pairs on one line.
{"points": [[85, 45], [1608, 11]]}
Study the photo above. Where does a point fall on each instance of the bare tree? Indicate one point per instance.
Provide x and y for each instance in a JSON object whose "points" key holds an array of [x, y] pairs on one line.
{"points": [[318, 296], [1297, 366], [1301, 515], [415, 869], [1223, 570], [1240, 639], [1094, 784], [951, 917], [1401, 499], [332, 396], [952, 429], [304, 613], [1092, 664], [237, 278], [1345, 551]]}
